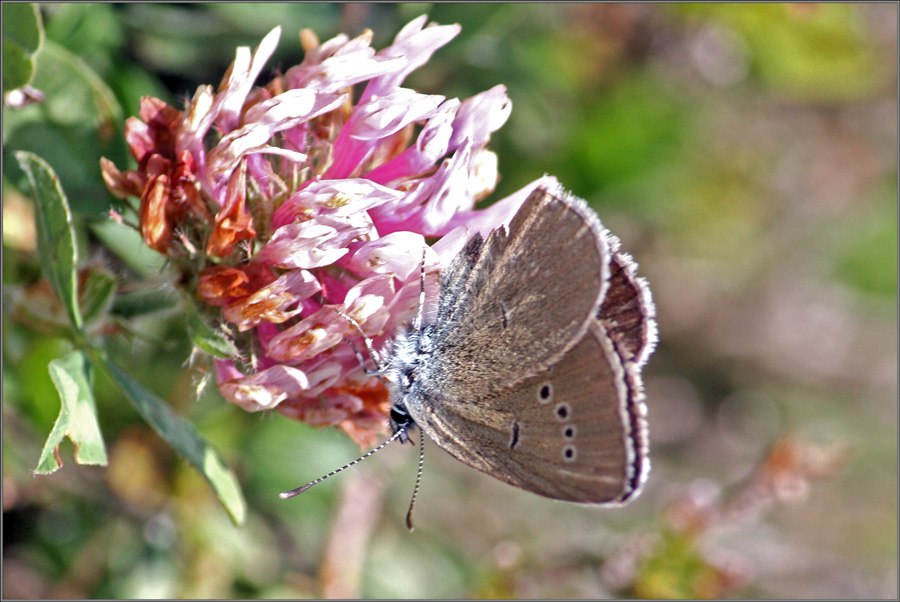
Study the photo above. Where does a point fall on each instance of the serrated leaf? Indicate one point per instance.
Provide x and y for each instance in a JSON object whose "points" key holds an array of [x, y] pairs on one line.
{"points": [[56, 236], [72, 376], [182, 436]]}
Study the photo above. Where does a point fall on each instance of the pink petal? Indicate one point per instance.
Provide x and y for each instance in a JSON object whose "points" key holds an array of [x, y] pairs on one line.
{"points": [[452, 243], [323, 416], [315, 56], [244, 72], [263, 121], [465, 224], [226, 370], [335, 284], [366, 303], [271, 303], [398, 254], [198, 117], [480, 116], [348, 153], [315, 243], [292, 107], [311, 336], [404, 306], [432, 202], [336, 197], [432, 144], [416, 45], [233, 221], [386, 115], [371, 121], [265, 332], [266, 389], [324, 376], [338, 64]]}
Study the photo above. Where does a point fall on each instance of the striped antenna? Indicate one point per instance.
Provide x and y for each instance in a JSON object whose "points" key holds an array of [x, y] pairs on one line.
{"points": [[412, 502], [299, 490]]}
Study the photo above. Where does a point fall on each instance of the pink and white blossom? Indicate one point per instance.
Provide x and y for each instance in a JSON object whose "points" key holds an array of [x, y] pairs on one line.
{"points": [[286, 204]]}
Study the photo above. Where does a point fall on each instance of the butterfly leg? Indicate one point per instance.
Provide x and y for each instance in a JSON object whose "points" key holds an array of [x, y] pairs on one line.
{"points": [[368, 342]]}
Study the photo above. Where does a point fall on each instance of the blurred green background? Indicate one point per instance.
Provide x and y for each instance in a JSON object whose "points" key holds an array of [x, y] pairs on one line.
{"points": [[747, 157]]}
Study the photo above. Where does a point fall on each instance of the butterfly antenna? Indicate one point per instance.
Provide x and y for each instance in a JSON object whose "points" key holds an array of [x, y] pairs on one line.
{"points": [[368, 342], [299, 490], [420, 314], [412, 502]]}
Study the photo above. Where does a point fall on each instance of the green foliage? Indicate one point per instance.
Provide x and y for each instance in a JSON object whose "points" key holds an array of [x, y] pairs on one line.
{"points": [[677, 571], [77, 418], [22, 36], [72, 375], [624, 134], [94, 32], [818, 53], [867, 251], [56, 238], [182, 436], [128, 246], [208, 339], [97, 294], [79, 121]]}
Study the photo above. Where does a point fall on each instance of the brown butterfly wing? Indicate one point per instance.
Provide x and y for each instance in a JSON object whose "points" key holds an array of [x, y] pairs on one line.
{"points": [[627, 311], [576, 431], [514, 304]]}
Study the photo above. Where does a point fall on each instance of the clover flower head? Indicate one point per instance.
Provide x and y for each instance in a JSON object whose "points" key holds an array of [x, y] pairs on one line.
{"points": [[281, 204]]}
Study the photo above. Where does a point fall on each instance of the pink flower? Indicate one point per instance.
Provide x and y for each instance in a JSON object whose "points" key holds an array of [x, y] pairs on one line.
{"points": [[282, 204]]}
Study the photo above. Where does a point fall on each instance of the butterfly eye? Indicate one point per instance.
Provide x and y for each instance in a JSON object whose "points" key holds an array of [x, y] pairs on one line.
{"points": [[399, 416]]}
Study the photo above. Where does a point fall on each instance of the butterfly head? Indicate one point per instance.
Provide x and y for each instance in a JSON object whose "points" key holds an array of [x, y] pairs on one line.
{"points": [[399, 373]]}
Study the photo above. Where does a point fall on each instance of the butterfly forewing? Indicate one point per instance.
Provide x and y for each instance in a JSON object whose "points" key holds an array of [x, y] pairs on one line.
{"points": [[495, 317]]}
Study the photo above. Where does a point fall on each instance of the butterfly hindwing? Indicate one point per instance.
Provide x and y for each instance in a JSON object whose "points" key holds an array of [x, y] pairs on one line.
{"points": [[575, 431]]}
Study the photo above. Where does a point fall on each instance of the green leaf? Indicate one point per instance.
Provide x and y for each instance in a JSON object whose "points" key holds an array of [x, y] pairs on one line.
{"points": [[143, 301], [56, 237], [22, 26], [78, 121], [18, 68], [128, 246], [97, 293], [72, 376], [76, 95], [22, 35], [208, 339], [92, 30], [182, 436]]}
